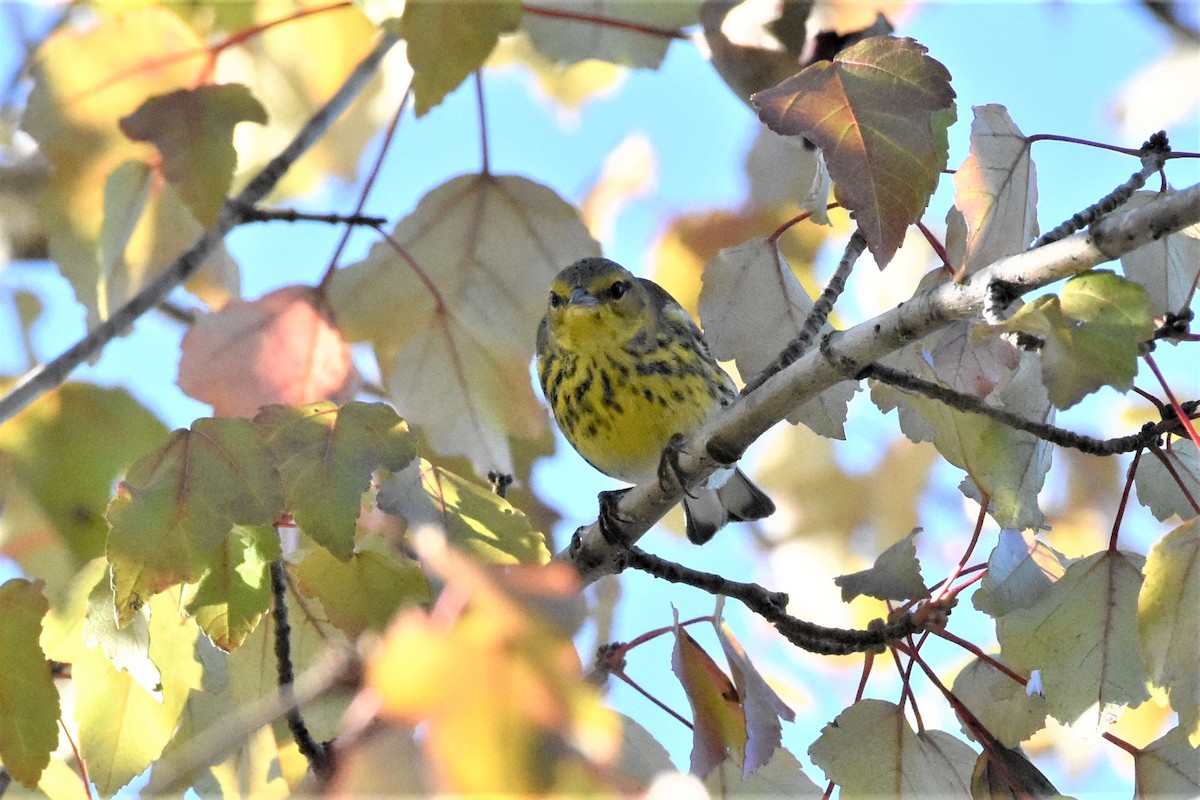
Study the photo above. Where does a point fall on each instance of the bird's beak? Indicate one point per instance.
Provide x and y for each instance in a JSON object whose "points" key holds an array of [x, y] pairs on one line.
{"points": [[582, 297]]}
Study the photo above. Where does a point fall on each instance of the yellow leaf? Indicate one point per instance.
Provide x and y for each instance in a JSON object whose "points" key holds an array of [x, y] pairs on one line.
{"points": [[28, 700], [451, 303], [718, 718]]}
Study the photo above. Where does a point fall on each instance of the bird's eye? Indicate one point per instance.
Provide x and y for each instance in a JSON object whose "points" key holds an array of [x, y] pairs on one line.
{"points": [[618, 289], [556, 299]]}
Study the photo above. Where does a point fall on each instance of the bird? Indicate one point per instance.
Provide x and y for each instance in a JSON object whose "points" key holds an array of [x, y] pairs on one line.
{"points": [[628, 376]]}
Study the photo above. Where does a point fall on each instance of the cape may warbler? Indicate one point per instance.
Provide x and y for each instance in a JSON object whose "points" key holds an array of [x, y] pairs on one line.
{"points": [[625, 370]]}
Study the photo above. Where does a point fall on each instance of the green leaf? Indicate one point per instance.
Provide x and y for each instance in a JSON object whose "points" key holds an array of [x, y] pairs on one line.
{"points": [[1168, 625], [365, 592], [1158, 487], [123, 727], [84, 431], [1009, 713], [1088, 660], [326, 456], [896, 575], [1093, 333], [449, 41], [879, 112], [126, 647], [178, 504], [236, 591], [1168, 767], [474, 519], [193, 130], [28, 700], [871, 751]]}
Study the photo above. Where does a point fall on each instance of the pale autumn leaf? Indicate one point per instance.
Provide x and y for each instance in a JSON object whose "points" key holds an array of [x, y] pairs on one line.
{"points": [[1006, 772], [642, 756], [1020, 570], [573, 40], [752, 307], [1087, 660], [763, 708], [882, 101], [85, 80], [28, 698], [780, 170], [126, 647], [969, 362], [326, 458], [629, 173], [281, 348], [840, 17], [1169, 767], [193, 131], [1167, 623], [996, 190], [871, 751], [895, 575], [122, 727], [1167, 267], [782, 776], [474, 519], [449, 41], [451, 303], [179, 502], [718, 718], [1009, 713], [234, 594], [1092, 331], [1161, 94], [1158, 488], [1008, 464]]}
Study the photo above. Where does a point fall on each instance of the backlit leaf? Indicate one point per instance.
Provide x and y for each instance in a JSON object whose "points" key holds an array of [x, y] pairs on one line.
{"points": [[718, 719], [236, 591], [1093, 333], [1166, 267], [895, 575], [1157, 487], [449, 41], [871, 751], [996, 190], [128, 647], [1168, 625], [1020, 570], [326, 457], [1088, 660], [1009, 713], [178, 503], [1169, 767], [193, 131], [365, 592], [568, 41], [452, 305], [28, 700], [879, 112], [782, 776], [752, 306], [762, 707], [473, 518]]}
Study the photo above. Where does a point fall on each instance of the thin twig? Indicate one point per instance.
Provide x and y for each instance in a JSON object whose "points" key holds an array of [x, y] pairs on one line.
{"points": [[44, 377], [256, 214]]}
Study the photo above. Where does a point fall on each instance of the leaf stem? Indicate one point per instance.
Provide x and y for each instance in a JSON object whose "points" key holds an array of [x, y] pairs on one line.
{"points": [[1180, 414], [595, 19]]}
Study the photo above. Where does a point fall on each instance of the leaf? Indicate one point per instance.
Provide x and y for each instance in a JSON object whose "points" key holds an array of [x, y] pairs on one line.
{"points": [[236, 591], [879, 112], [496, 688], [281, 348], [896, 575], [1020, 571], [718, 718], [449, 41], [996, 190], [569, 41], [85, 79], [1167, 267], [1157, 487], [453, 311], [762, 707], [995, 780], [122, 727], [178, 504], [1088, 660], [193, 130], [1168, 767], [1008, 464], [971, 363], [61, 434], [871, 751], [1005, 708], [1093, 333], [782, 776], [1168, 627], [753, 306], [474, 519], [365, 592], [326, 457], [29, 707], [127, 648]]}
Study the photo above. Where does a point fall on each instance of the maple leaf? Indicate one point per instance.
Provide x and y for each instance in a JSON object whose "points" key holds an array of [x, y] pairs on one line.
{"points": [[28, 730]]}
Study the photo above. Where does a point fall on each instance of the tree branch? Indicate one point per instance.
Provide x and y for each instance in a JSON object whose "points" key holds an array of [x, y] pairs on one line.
{"points": [[44, 377], [733, 428]]}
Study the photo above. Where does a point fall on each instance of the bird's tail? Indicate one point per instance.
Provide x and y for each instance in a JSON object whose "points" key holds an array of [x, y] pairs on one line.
{"points": [[733, 498]]}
